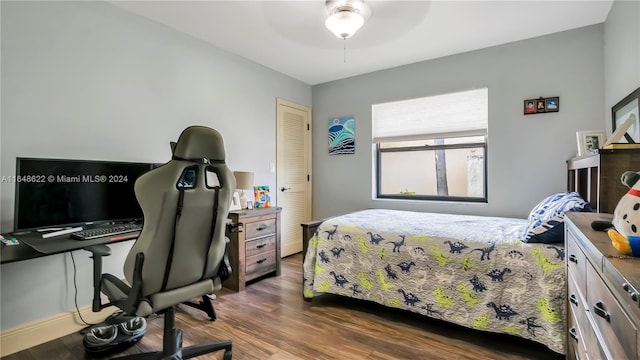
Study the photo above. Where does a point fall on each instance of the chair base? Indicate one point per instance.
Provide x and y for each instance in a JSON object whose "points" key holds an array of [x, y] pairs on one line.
{"points": [[185, 353], [204, 305], [172, 344]]}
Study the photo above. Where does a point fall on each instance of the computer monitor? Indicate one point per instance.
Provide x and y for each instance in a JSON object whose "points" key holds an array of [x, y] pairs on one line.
{"points": [[62, 192]]}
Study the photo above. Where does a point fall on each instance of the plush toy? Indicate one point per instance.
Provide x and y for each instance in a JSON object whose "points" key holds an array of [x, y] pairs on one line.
{"points": [[625, 234]]}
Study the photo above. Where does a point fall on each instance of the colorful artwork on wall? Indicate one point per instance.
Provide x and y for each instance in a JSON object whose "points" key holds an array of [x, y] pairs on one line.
{"points": [[342, 135], [261, 196]]}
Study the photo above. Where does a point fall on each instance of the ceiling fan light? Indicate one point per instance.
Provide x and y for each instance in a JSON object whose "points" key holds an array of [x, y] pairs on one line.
{"points": [[344, 23]]}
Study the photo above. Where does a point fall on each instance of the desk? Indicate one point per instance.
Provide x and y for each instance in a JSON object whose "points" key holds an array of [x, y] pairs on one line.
{"points": [[32, 245]]}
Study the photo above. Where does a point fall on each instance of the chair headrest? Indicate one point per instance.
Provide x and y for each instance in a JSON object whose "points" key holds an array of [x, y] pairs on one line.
{"points": [[199, 142]]}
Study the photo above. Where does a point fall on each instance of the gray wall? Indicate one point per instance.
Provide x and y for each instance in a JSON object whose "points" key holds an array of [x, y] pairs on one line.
{"points": [[76, 69], [87, 80], [526, 154], [621, 54]]}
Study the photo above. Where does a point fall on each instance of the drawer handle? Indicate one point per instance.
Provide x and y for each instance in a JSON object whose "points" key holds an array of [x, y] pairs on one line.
{"points": [[573, 299], [261, 227], [261, 261], [573, 259], [261, 246], [235, 227], [573, 333], [598, 308], [632, 294]]}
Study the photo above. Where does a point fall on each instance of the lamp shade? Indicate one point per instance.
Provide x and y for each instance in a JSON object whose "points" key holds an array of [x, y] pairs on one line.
{"points": [[344, 22], [244, 180]]}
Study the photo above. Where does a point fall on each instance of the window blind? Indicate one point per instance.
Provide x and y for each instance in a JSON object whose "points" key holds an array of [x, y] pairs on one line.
{"points": [[457, 114]]}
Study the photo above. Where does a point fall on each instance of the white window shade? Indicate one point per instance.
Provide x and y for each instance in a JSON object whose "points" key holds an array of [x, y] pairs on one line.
{"points": [[441, 116]]}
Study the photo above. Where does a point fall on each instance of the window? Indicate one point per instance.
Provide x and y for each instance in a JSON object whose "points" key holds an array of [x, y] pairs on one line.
{"points": [[432, 148]]}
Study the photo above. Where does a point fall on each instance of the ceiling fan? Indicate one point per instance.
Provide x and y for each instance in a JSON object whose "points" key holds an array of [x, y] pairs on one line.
{"points": [[345, 16]]}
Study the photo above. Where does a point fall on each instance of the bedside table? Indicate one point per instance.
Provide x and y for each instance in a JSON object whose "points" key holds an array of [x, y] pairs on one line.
{"points": [[254, 250]]}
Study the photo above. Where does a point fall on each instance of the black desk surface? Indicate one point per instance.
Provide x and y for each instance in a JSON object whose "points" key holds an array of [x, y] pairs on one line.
{"points": [[32, 245]]}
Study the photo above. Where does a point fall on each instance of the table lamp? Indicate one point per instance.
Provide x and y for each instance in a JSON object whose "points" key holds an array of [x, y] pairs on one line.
{"points": [[244, 181]]}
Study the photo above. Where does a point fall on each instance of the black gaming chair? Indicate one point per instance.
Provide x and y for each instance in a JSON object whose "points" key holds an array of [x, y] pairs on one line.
{"points": [[181, 253]]}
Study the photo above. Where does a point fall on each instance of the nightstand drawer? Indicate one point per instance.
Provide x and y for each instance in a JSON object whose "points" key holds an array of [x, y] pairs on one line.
{"points": [[576, 261], [617, 330], [260, 246], [260, 264], [260, 228]]}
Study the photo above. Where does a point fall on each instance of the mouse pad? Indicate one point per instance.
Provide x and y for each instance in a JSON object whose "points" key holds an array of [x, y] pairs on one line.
{"points": [[60, 244]]}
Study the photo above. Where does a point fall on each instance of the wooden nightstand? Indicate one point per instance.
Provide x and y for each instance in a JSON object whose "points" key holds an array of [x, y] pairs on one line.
{"points": [[254, 250]]}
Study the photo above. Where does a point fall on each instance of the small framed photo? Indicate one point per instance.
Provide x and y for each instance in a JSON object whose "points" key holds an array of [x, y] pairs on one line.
{"points": [[552, 104], [261, 197], [589, 141], [625, 113], [529, 107], [235, 202], [542, 105]]}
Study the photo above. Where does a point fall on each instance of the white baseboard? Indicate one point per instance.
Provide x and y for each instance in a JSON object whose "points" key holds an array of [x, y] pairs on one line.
{"points": [[39, 332]]}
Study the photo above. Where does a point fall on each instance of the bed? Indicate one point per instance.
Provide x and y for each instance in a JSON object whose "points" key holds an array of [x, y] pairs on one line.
{"points": [[474, 271]]}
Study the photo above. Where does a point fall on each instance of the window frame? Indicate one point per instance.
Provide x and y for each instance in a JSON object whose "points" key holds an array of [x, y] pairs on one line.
{"points": [[379, 151]]}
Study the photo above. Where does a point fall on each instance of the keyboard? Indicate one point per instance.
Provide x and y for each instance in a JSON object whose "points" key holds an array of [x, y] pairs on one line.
{"points": [[106, 231]]}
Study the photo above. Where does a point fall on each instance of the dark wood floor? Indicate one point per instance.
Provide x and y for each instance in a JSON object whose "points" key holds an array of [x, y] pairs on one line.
{"points": [[270, 320]]}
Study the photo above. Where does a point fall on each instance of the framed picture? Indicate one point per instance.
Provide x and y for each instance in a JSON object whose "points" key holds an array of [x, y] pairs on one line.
{"points": [[542, 105], [627, 110], [529, 106], [235, 202], [342, 135], [619, 132], [589, 141], [261, 197], [552, 104]]}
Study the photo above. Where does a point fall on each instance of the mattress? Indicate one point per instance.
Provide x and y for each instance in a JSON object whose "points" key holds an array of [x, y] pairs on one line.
{"points": [[473, 271]]}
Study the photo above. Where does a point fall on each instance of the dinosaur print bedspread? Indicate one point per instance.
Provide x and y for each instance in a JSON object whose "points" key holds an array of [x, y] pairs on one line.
{"points": [[469, 270]]}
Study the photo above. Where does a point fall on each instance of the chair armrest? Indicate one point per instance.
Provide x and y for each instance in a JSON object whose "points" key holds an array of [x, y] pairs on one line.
{"points": [[97, 253], [99, 250]]}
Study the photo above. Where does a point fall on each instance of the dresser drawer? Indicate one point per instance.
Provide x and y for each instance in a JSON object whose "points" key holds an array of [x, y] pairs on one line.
{"points": [[260, 246], [575, 341], [627, 294], [617, 331], [578, 307], [260, 228], [576, 261], [260, 264]]}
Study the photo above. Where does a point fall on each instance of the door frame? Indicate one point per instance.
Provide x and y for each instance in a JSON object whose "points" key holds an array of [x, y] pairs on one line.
{"points": [[309, 188]]}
